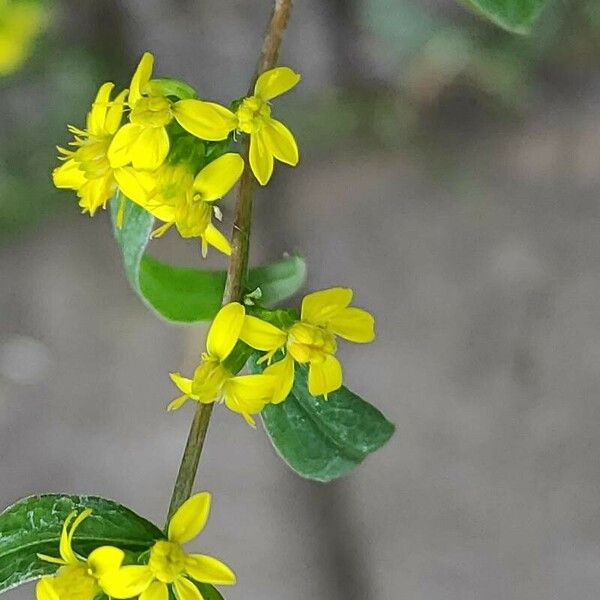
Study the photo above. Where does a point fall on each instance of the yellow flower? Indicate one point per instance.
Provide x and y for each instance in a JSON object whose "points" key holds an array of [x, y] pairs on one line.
{"points": [[86, 169], [174, 195], [169, 564], [269, 138], [78, 579], [212, 381], [144, 141], [324, 315], [20, 23]]}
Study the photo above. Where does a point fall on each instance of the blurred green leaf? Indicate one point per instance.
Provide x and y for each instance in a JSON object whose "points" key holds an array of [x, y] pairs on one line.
{"points": [[516, 16], [186, 295], [33, 525], [323, 439]]}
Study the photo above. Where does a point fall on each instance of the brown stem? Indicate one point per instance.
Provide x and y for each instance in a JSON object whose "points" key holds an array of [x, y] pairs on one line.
{"points": [[238, 264]]}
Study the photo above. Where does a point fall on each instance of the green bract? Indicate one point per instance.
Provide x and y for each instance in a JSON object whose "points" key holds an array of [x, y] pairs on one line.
{"points": [[187, 295]]}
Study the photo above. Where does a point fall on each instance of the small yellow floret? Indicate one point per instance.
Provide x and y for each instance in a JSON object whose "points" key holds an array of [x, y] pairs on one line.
{"points": [[169, 564], [79, 579], [246, 395], [312, 340], [86, 168], [269, 139], [174, 195]]}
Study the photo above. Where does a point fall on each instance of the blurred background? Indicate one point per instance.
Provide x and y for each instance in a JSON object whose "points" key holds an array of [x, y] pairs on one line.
{"points": [[450, 175]]}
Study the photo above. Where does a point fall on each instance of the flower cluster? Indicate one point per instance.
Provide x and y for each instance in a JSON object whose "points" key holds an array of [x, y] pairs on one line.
{"points": [[307, 339], [172, 157], [165, 565], [158, 145]]}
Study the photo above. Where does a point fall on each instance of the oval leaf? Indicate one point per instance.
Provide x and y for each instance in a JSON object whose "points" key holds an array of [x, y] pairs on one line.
{"points": [[33, 526], [516, 16], [186, 295], [324, 439]]}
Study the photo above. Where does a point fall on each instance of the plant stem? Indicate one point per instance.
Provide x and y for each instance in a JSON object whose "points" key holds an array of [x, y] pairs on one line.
{"points": [[238, 264]]}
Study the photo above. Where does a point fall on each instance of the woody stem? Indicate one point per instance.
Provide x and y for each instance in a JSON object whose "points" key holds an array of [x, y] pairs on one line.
{"points": [[238, 264]]}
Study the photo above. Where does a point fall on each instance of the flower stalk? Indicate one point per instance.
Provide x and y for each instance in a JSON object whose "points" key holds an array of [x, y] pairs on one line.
{"points": [[238, 264]]}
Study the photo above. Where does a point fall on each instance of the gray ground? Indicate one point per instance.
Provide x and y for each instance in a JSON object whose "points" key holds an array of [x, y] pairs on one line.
{"points": [[485, 287]]}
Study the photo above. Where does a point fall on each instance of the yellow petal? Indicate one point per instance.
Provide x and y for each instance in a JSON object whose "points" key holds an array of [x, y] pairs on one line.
{"points": [[105, 559], [51, 559], [185, 385], [141, 77], [206, 120], [44, 589], [319, 307], [324, 377], [127, 582], [280, 142], [150, 148], [120, 216], [156, 206], [217, 178], [97, 116], [178, 402], [261, 159], [353, 324], [68, 546], [115, 114], [209, 377], [157, 591], [249, 420], [209, 570], [225, 330], [216, 239], [282, 372], [64, 547], [96, 193], [190, 518], [119, 151], [69, 176], [261, 335], [160, 231], [136, 185], [275, 82], [248, 394], [186, 590], [74, 581]]}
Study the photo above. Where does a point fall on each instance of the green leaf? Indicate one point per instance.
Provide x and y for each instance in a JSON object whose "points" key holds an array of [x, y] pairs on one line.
{"points": [[323, 439], [208, 591], [187, 295], [33, 526], [517, 16]]}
